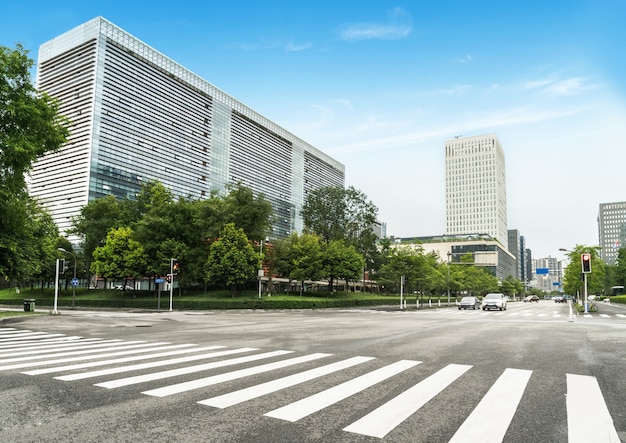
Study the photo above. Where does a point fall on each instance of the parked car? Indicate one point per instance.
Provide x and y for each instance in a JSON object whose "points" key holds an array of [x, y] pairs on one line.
{"points": [[124, 288], [469, 303], [531, 298], [494, 300], [559, 299]]}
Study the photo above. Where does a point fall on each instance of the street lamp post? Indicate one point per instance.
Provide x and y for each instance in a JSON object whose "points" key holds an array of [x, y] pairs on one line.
{"points": [[74, 279], [261, 272], [449, 257]]}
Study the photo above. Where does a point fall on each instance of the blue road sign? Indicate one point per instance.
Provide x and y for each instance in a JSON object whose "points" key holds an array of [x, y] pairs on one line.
{"points": [[74, 282], [158, 280], [541, 271]]}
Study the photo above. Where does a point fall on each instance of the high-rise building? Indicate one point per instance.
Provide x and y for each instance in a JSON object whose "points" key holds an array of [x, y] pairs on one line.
{"points": [[611, 230], [136, 115], [476, 187]]}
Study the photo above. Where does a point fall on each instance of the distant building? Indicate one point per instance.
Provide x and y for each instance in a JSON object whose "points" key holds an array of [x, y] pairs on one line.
{"points": [[611, 230], [551, 280], [486, 252], [517, 247], [476, 187], [136, 115]]}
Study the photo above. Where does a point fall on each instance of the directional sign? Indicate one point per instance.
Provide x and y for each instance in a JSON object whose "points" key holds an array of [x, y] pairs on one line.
{"points": [[74, 281], [158, 280], [541, 271]]}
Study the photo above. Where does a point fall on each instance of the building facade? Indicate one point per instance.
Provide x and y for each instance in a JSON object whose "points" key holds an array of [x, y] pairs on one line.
{"points": [[611, 230], [137, 115], [476, 187]]}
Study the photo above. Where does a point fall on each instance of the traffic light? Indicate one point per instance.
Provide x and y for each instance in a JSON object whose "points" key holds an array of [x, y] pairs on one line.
{"points": [[585, 259], [61, 266], [176, 267]]}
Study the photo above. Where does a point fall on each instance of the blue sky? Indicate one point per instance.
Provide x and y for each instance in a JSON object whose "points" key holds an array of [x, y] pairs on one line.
{"points": [[380, 85]]}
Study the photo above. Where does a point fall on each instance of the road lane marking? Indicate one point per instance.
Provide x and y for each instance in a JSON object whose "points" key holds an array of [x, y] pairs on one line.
{"points": [[588, 417], [621, 315], [153, 364], [177, 351], [229, 376], [187, 370], [122, 350], [233, 398], [27, 336], [30, 344], [309, 405], [605, 315], [54, 347], [382, 420], [497, 408], [89, 348]]}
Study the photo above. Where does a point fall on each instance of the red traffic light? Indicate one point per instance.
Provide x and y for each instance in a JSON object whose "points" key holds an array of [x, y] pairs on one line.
{"points": [[585, 260]]}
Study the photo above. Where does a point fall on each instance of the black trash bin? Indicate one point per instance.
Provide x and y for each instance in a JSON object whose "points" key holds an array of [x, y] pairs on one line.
{"points": [[29, 305]]}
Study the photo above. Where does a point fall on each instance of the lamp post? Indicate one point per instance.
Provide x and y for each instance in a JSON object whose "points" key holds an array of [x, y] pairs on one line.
{"points": [[261, 271], [449, 257], [74, 279]]}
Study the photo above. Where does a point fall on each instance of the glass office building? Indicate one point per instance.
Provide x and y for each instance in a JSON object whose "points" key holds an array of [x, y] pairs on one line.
{"points": [[136, 115], [476, 187], [611, 230]]}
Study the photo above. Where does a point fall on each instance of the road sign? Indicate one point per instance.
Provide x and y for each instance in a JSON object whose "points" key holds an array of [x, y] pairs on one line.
{"points": [[158, 280], [539, 271], [74, 281]]}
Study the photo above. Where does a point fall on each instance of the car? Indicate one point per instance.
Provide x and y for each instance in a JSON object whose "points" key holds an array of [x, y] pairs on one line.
{"points": [[469, 303], [559, 299], [531, 298], [124, 288], [494, 300]]}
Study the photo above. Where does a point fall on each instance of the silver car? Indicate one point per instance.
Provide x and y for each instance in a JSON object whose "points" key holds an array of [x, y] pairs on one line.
{"points": [[469, 303], [494, 300]]}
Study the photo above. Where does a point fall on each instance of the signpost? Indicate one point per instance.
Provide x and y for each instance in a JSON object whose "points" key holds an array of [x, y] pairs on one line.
{"points": [[159, 281]]}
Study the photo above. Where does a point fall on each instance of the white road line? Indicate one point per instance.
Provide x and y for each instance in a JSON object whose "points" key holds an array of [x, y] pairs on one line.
{"points": [[187, 370], [10, 331], [588, 418], [621, 315], [152, 364], [134, 349], [234, 375], [587, 316], [556, 315], [309, 405], [233, 398], [31, 344], [605, 315], [90, 350], [497, 408], [27, 336], [381, 421], [541, 315], [57, 347], [93, 364]]}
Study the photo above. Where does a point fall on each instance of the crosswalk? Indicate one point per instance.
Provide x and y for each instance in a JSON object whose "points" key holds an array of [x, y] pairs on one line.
{"points": [[527, 313], [115, 364]]}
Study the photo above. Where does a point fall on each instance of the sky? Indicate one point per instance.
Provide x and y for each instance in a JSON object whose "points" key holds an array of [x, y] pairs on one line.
{"points": [[380, 85]]}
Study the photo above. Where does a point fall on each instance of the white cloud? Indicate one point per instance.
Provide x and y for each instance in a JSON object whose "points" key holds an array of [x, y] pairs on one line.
{"points": [[293, 47], [467, 58], [397, 26]]}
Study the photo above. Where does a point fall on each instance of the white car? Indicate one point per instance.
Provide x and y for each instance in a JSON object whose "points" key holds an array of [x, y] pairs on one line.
{"points": [[494, 300]]}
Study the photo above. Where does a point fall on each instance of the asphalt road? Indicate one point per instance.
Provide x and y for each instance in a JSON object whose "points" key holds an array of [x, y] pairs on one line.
{"points": [[532, 373]]}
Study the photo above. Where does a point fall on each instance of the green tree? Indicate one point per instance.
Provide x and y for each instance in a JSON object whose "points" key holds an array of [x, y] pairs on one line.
{"points": [[342, 262], [511, 286], [248, 212], [121, 257], [232, 260], [306, 258], [572, 281], [335, 213], [30, 126]]}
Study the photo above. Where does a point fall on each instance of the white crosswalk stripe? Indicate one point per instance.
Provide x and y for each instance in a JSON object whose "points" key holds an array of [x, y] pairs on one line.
{"points": [[497, 408], [584, 403], [302, 408], [154, 364], [242, 395], [379, 422]]}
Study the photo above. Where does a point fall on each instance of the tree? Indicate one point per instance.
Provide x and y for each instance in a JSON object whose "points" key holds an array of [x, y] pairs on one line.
{"points": [[572, 281], [342, 262], [232, 260], [511, 286], [121, 257], [248, 212], [306, 258], [30, 126], [335, 213]]}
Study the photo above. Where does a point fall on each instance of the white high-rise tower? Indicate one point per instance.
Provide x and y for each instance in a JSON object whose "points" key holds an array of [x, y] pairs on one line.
{"points": [[476, 187]]}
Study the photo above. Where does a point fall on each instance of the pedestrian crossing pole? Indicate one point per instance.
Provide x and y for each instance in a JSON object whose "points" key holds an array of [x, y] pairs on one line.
{"points": [[56, 286]]}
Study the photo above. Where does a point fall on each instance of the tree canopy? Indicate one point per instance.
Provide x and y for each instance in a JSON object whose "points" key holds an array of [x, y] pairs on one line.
{"points": [[30, 126]]}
